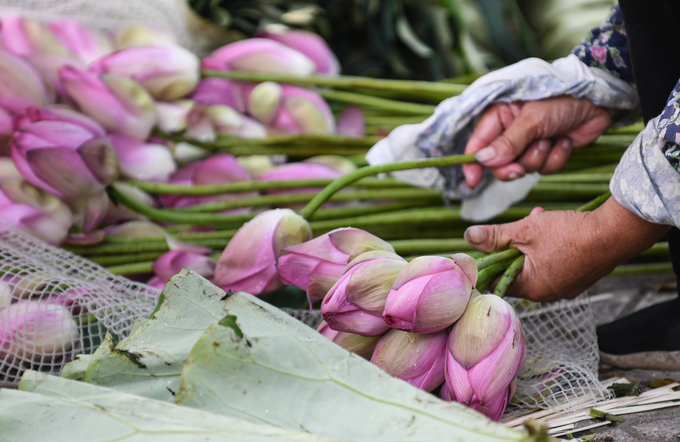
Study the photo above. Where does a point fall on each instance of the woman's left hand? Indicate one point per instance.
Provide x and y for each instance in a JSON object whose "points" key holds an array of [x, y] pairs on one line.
{"points": [[566, 251]]}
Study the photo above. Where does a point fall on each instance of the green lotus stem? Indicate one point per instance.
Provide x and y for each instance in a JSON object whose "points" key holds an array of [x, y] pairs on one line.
{"points": [[577, 178], [367, 171], [178, 217], [594, 204], [488, 274], [110, 260], [495, 258], [633, 129], [347, 212], [411, 88], [286, 199], [376, 102], [607, 168], [132, 269], [642, 269], [660, 248], [434, 245], [254, 186], [139, 247], [85, 320], [378, 120], [291, 140], [509, 276]]}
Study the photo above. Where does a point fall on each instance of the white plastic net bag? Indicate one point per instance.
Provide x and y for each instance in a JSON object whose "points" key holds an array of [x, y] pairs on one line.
{"points": [[55, 305]]}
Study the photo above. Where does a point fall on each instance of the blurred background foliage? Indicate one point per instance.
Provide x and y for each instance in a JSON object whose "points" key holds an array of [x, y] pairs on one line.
{"points": [[421, 39]]}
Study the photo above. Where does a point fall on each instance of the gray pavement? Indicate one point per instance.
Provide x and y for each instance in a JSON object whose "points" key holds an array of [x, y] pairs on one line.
{"points": [[614, 298]]}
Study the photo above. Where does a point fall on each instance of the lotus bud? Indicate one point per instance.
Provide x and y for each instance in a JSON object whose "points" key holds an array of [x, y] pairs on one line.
{"points": [[199, 125], [316, 265], [86, 43], [117, 212], [212, 91], [360, 345], [263, 101], [136, 229], [35, 221], [302, 111], [20, 85], [64, 159], [25, 37], [138, 35], [218, 169], [487, 349], [156, 282], [172, 262], [172, 117], [117, 103], [415, 358], [256, 165], [167, 72], [186, 152], [94, 210], [223, 118], [356, 301], [19, 191], [248, 263], [307, 43], [27, 284], [351, 122], [48, 66], [340, 164], [142, 161], [33, 330], [61, 113], [259, 55], [429, 295], [299, 171]]}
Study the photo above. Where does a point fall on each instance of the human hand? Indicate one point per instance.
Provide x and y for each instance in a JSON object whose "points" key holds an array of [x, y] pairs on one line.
{"points": [[566, 251], [515, 138]]}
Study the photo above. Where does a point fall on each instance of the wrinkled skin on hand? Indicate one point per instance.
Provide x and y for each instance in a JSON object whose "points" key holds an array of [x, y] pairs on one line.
{"points": [[517, 138], [567, 251]]}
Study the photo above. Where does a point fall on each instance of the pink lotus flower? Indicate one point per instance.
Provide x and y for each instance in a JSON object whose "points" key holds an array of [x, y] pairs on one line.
{"points": [[293, 110], [259, 55], [52, 219], [167, 72], [20, 85], [142, 161], [356, 302], [33, 330], [430, 293], [172, 116], [487, 349], [204, 123], [64, 159], [25, 37], [49, 65], [59, 113], [299, 171], [248, 263], [316, 265], [118, 212], [172, 262], [117, 103], [86, 43], [415, 358], [307, 43], [351, 122], [493, 410], [360, 345], [136, 229], [218, 169], [212, 91], [139, 35], [92, 211]]}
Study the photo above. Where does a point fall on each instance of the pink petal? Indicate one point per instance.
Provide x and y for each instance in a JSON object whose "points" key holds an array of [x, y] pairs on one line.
{"points": [[220, 91], [143, 161], [171, 263], [20, 85], [351, 122], [85, 43], [457, 380], [309, 44], [34, 221], [259, 55]]}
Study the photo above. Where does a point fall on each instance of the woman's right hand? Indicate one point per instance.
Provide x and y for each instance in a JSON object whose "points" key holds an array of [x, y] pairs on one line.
{"points": [[517, 138]]}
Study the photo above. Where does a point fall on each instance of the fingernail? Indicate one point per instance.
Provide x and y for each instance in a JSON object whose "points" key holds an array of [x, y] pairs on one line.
{"points": [[564, 144], [513, 175], [486, 154], [475, 235], [543, 145]]}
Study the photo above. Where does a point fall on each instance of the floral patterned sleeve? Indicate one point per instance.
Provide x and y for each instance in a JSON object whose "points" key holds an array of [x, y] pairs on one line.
{"points": [[606, 48]]}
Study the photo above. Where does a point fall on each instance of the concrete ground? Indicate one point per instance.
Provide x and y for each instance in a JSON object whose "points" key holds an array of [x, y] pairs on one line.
{"points": [[614, 298]]}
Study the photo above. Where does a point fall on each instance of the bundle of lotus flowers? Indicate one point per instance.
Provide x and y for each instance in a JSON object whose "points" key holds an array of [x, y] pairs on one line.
{"points": [[131, 151]]}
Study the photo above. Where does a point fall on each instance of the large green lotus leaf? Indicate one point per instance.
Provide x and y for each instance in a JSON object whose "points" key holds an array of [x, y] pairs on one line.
{"points": [[57, 409], [149, 361], [260, 364]]}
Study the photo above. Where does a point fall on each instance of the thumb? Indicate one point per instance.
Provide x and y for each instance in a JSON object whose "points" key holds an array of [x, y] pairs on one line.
{"points": [[509, 145], [489, 238]]}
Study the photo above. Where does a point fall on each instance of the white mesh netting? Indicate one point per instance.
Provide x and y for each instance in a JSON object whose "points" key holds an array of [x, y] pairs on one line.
{"points": [[54, 305], [173, 16]]}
